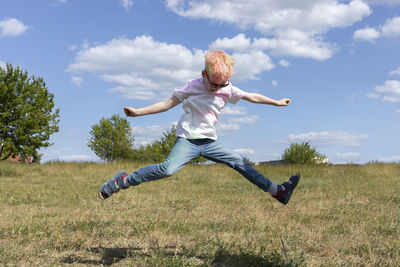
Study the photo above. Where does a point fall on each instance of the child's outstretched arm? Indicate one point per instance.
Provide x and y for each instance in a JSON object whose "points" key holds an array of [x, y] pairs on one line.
{"points": [[261, 99], [155, 108]]}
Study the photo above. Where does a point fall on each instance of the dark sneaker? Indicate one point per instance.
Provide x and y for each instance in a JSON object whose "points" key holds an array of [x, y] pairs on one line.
{"points": [[285, 190], [113, 185]]}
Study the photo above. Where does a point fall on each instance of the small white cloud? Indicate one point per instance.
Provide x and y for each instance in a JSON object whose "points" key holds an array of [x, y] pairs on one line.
{"points": [[284, 63], [327, 138], [274, 83], [244, 120], [348, 155], [222, 128], [388, 92], [77, 80], [391, 27], [12, 27], [398, 111], [367, 34], [395, 72], [127, 4], [237, 43], [235, 110], [296, 43], [76, 158], [245, 151], [234, 123]]}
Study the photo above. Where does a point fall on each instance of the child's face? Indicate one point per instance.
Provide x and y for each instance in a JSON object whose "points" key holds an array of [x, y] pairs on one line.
{"points": [[211, 85]]}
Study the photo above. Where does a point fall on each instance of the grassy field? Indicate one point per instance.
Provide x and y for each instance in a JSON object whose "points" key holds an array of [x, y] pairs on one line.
{"points": [[50, 215]]}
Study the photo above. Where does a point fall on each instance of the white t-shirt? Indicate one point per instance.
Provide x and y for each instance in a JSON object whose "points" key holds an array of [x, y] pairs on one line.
{"points": [[202, 108]]}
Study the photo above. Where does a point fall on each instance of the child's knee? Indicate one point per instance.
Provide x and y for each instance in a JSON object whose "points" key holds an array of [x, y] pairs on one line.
{"points": [[168, 169]]}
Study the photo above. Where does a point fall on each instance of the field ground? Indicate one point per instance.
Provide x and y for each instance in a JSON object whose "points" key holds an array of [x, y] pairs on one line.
{"points": [[50, 215]]}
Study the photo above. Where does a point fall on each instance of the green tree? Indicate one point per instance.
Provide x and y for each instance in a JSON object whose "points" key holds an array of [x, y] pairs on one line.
{"points": [[112, 139], [26, 114], [303, 153]]}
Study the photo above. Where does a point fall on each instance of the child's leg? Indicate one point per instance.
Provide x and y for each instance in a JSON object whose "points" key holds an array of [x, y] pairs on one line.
{"points": [[218, 153], [182, 153]]}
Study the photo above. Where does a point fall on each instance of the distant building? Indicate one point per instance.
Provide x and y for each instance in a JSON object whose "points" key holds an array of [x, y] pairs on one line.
{"points": [[18, 158]]}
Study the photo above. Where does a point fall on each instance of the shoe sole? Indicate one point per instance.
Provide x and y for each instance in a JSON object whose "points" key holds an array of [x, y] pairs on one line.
{"points": [[101, 196]]}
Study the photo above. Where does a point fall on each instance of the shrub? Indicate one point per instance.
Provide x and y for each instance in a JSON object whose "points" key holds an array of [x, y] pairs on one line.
{"points": [[303, 153]]}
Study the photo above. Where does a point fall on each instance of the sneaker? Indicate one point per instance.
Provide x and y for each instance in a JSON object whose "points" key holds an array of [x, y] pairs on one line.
{"points": [[113, 185], [285, 190]]}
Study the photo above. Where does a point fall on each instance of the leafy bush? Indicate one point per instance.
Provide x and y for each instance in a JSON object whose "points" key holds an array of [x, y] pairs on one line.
{"points": [[112, 139], [303, 154]]}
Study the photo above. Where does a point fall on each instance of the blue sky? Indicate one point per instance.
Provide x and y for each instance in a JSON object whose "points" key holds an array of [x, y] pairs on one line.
{"points": [[337, 60]]}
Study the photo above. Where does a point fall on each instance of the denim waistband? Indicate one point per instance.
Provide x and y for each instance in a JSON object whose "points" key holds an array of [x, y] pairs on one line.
{"points": [[200, 141]]}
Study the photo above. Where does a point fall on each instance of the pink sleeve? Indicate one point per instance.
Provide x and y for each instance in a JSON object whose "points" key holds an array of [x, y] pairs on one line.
{"points": [[236, 95]]}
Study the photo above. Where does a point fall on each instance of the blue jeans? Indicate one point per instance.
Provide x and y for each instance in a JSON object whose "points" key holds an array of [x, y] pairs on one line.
{"points": [[187, 149]]}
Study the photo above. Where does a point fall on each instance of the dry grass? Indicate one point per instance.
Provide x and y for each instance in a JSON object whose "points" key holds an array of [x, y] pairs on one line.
{"points": [[202, 216]]}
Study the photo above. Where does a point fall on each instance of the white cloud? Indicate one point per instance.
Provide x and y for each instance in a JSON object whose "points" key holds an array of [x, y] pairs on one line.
{"points": [[367, 34], [398, 111], [245, 151], [388, 92], [390, 29], [327, 138], [395, 72], [296, 27], [127, 4], [284, 63], [144, 68], [313, 15], [250, 64], [274, 83], [348, 155], [148, 134], [141, 68], [234, 110], [237, 43], [234, 123], [244, 120], [222, 128], [12, 27], [77, 80], [296, 43]]}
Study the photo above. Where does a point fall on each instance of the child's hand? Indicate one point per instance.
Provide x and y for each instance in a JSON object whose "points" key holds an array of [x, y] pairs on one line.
{"points": [[130, 112], [284, 102]]}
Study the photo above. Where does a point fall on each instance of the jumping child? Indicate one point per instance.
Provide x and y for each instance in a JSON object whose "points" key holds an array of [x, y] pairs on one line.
{"points": [[203, 100]]}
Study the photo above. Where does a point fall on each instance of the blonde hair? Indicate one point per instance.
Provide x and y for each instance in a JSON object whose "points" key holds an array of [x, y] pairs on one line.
{"points": [[219, 65]]}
